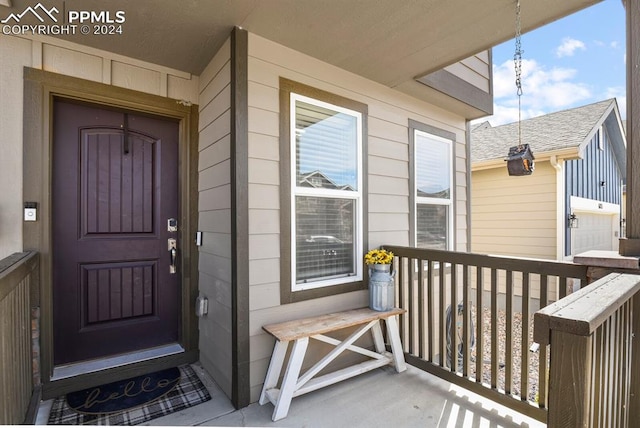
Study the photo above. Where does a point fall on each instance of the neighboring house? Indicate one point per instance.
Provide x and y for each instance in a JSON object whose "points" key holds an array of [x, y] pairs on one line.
{"points": [[580, 165], [129, 144]]}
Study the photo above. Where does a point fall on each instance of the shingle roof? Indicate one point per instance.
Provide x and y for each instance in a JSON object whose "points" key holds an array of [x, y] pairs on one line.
{"points": [[554, 131]]}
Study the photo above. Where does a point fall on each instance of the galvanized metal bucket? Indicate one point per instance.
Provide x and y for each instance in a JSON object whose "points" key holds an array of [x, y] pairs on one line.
{"points": [[381, 287]]}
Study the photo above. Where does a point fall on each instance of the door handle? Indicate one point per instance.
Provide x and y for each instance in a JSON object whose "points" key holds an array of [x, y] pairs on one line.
{"points": [[173, 253]]}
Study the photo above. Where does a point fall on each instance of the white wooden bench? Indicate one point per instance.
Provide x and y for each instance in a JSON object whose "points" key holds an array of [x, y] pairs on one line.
{"points": [[299, 332]]}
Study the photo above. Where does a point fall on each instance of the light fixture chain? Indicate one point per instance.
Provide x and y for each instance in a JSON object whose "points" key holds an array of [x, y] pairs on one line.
{"points": [[517, 62]]}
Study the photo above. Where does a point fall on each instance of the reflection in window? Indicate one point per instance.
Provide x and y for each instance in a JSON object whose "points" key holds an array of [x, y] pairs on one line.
{"points": [[324, 237], [326, 193], [433, 190], [326, 145], [431, 228]]}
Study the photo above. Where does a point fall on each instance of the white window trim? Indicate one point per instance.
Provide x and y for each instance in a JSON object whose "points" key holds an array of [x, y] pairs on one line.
{"points": [[357, 196], [434, 201]]}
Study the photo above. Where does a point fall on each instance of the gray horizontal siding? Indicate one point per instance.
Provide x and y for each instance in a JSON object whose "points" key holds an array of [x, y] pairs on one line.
{"points": [[214, 186]]}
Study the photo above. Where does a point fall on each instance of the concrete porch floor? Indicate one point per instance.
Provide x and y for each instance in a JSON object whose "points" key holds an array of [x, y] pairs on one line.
{"points": [[380, 398]]}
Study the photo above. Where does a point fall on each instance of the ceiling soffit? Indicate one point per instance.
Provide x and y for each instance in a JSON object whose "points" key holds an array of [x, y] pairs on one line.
{"points": [[390, 42]]}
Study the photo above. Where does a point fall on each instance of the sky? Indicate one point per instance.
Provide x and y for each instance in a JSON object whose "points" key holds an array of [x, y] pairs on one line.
{"points": [[572, 62]]}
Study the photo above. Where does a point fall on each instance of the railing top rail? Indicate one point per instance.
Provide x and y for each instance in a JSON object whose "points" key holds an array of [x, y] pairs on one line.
{"points": [[547, 267], [582, 312], [14, 268]]}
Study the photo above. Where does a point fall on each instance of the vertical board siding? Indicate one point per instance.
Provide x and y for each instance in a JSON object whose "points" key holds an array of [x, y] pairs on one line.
{"points": [[388, 179], [214, 185], [584, 178], [70, 59]]}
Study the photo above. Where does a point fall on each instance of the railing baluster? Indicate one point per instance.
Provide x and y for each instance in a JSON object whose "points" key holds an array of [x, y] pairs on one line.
{"points": [[634, 384], [508, 352], [542, 353], [626, 337], [424, 327], [494, 329], [401, 302], [411, 306], [441, 315], [430, 316], [596, 395], [421, 309], [563, 284], [466, 316], [18, 280], [479, 325], [453, 325], [607, 373], [618, 367], [524, 362]]}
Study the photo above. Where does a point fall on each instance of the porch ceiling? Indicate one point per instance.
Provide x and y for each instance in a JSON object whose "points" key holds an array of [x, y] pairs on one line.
{"points": [[390, 41]]}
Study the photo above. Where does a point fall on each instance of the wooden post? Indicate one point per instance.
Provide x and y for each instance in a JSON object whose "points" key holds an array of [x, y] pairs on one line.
{"points": [[630, 246], [570, 380]]}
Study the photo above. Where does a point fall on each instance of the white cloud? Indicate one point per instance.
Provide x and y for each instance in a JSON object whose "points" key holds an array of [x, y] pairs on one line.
{"points": [[569, 47], [620, 94], [544, 91]]}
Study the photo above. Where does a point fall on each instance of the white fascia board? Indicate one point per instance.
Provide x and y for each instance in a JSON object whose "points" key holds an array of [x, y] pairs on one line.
{"points": [[562, 154], [593, 206]]}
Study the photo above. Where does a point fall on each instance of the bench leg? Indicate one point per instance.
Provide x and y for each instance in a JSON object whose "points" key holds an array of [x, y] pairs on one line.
{"points": [[275, 367], [378, 340], [396, 344], [290, 379]]}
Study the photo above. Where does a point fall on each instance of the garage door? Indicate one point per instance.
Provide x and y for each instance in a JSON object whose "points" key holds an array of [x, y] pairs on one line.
{"points": [[595, 232]]}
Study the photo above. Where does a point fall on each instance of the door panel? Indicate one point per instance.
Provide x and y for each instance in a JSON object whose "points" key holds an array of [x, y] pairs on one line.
{"points": [[115, 184]]}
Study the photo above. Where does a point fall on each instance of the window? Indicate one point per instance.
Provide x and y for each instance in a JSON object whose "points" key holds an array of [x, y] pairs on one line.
{"points": [[432, 190], [326, 193]]}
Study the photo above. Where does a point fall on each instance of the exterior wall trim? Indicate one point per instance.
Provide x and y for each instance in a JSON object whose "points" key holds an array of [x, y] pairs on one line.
{"points": [[455, 87], [240, 218], [468, 183], [286, 295], [415, 125], [39, 89]]}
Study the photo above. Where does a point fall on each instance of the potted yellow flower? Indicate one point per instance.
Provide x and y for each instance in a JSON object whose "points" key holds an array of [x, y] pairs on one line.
{"points": [[381, 280]]}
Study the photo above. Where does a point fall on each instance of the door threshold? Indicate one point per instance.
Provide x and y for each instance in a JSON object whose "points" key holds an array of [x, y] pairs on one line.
{"points": [[85, 367]]}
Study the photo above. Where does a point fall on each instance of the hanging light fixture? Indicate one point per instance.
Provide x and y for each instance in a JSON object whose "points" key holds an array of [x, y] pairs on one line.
{"points": [[573, 221], [520, 159]]}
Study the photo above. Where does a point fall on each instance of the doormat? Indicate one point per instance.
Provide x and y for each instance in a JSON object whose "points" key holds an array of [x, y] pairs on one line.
{"points": [[165, 392]]}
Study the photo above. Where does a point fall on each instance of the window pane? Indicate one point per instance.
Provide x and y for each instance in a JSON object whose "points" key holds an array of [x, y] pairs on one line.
{"points": [[324, 238], [433, 166], [326, 144], [432, 221]]}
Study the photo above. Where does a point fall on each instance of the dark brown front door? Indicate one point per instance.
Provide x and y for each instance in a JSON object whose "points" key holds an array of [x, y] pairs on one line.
{"points": [[115, 187]]}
